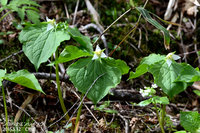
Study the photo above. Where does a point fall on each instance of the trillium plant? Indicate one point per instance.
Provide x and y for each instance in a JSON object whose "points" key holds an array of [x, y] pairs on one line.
{"points": [[172, 78], [94, 74]]}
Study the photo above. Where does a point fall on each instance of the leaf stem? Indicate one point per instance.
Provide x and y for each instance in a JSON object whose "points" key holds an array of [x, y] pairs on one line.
{"points": [[59, 89], [159, 119], [5, 108], [78, 115]]}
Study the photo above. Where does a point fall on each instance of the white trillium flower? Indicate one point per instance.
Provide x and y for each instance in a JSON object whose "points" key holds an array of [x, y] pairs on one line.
{"points": [[98, 53], [170, 57], [51, 23]]}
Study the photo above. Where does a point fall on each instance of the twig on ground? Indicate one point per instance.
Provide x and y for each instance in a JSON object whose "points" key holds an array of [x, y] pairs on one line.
{"points": [[63, 115], [23, 106], [52, 76], [14, 54], [66, 10], [112, 25], [126, 122], [29, 116], [76, 8]]}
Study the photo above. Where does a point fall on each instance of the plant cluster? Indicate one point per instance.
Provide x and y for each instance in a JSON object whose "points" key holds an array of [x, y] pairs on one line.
{"points": [[94, 73]]}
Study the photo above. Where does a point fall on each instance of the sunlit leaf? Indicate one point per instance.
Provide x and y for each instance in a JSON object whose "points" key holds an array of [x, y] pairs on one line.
{"points": [[85, 71], [190, 121], [164, 77], [24, 78], [40, 44], [145, 63], [84, 41], [71, 53]]}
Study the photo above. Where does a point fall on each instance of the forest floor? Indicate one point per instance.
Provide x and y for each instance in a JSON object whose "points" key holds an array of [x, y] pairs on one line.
{"points": [[118, 112]]}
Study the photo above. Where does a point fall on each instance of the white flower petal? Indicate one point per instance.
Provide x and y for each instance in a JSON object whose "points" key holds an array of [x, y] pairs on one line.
{"points": [[98, 48], [175, 57], [49, 27], [103, 55], [95, 57], [196, 3], [47, 19], [169, 62]]}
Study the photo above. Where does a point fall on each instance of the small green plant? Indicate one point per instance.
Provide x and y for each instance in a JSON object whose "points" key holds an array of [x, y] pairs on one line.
{"points": [[170, 76], [23, 8]]}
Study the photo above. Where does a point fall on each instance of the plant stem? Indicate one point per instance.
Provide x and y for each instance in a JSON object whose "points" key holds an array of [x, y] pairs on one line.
{"points": [[5, 15], [163, 113], [59, 90], [159, 119], [78, 114], [5, 108]]}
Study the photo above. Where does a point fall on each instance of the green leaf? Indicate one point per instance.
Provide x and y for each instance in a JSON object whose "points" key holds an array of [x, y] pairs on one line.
{"points": [[160, 100], [147, 16], [33, 16], [71, 53], [145, 102], [4, 2], [24, 78], [197, 92], [164, 77], [190, 121], [84, 72], [40, 44], [188, 74], [119, 64], [84, 41], [2, 74], [180, 132], [145, 63]]}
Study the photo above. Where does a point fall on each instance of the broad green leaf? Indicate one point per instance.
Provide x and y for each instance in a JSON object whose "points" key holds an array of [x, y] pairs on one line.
{"points": [[190, 121], [197, 92], [2, 74], [147, 16], [160, 100], [145, 63], [84, 41], [4, 2], [85, 71], [24, 78], [71, 53], [188, 74], [33, 16], [164, 77], [119, 64], [40, 44], [145, 102]]}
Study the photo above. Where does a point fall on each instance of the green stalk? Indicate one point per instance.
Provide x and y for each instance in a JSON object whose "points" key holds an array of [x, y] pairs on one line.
{"points": [[59, 90], [5, 15], [79, 112], [5, 108], [163, 113], [159, 119]]}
